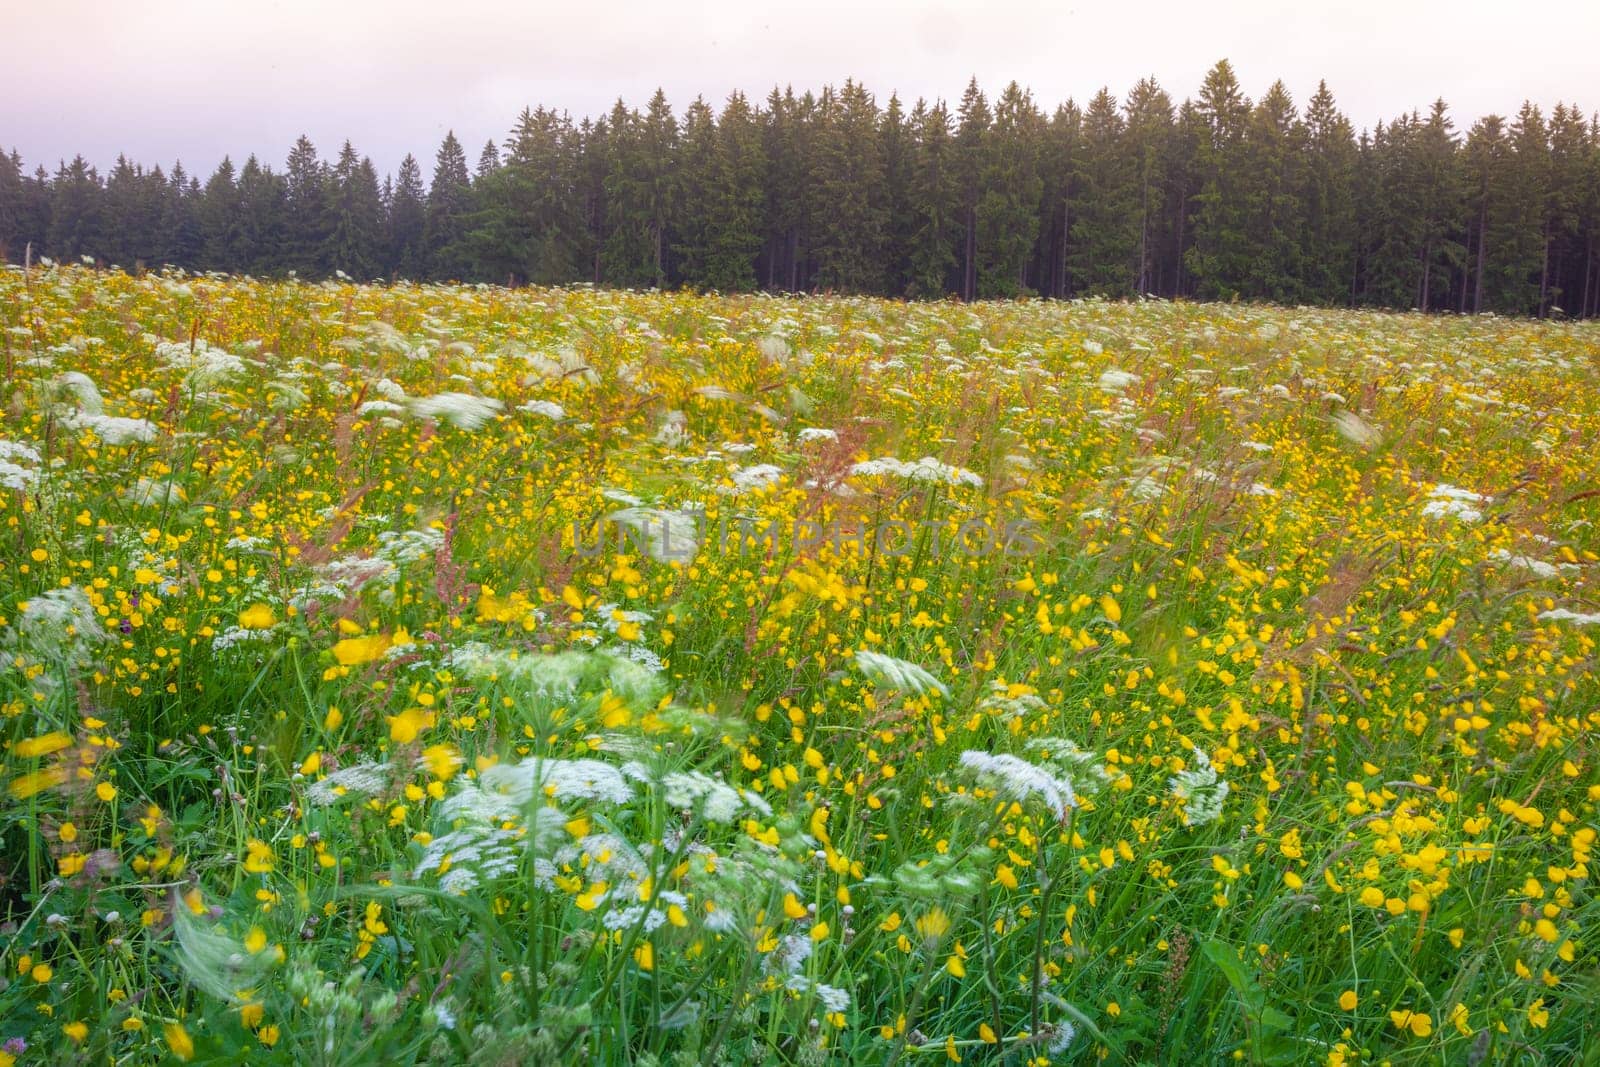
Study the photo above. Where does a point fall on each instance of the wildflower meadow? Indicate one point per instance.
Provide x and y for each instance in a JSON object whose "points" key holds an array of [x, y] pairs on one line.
{"points": [[458, 674]]}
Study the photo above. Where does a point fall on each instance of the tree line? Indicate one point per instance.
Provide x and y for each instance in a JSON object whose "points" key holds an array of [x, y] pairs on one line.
{"points": [[1219, 197]]}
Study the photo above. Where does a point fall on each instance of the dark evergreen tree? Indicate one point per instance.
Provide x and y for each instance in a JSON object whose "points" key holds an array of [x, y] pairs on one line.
{"points": [[1274, 159], [355, 225], [180, 219], [263, 211], [1150, 131], [13, 198], [1327, 202], [305, 245], [488, 161], [75, 211], [628, 257], [450, 202], [1058, 196], [935, 204], [1220, 257], [528, 226], [1006, 216], [221, 222], [723, 162], [972, 128], [846, 179], [1105, 225], [406, 256], [786, 136], [898, 136]]}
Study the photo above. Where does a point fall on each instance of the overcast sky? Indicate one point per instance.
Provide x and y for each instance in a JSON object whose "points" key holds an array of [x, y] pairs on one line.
{"points": [[197, 79]]}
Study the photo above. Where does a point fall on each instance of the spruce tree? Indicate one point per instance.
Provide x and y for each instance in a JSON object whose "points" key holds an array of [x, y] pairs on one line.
{"points": [[355, 224], [220, 221], [935, 204], [1327, 204], [972, 129], [75, 211], [898, 137], [450, 201], [1006, 215], [1105, 227], [263, 209], [846, 179], [1220, 257], [628, 255], [1149, 131], [306, 215], [12, 206], [406, 256]]}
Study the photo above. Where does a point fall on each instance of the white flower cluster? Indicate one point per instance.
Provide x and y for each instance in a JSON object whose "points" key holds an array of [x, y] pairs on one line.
{"points": [[358, 780], [464, 411], [1199, 792], [1006, 706], [560, 676], [548, 408], [58, 624], [19, 466], [751, 479], [1080, 767], [203, 367], [833, 998], [1021, 780], [237, 635], [1577, 618], [888, 672], [674, 431], [712, 798], [1447, 501], [668, 536], [1116, 380], [927, 469], [470, 855]]}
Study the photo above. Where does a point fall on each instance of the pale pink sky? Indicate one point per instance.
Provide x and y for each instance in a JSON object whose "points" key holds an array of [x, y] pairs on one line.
{"points": [[195, 79]]}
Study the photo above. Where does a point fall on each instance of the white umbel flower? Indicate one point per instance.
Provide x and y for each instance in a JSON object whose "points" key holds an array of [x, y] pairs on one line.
{"points": [[461, 410], [1199, 792], [1576, 618], [1448, 501], [891, 673], [927, 470], [1020, 780]]}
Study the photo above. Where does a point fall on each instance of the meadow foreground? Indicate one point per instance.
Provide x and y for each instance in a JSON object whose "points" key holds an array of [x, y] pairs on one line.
{"points": [[538, 676]]}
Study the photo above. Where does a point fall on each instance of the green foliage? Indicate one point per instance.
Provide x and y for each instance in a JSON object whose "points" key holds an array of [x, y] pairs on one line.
{"points": [[1215, 197]]}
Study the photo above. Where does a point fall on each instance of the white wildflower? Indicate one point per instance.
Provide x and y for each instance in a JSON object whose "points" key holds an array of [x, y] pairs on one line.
{"points": [[927, 469], [887, 672], [111, 429], [714, 799], [461, 410], [668, 536], [1021, 780], [752, 479], [1577, 618], [1200, 792], [674, 431], [359, 780], [1448, 501], [1355, 429], [1116, 380], [547, 408]]}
